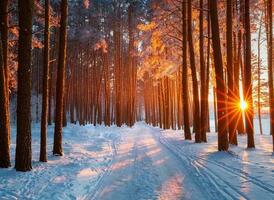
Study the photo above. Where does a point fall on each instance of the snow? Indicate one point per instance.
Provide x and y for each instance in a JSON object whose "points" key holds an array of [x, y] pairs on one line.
{"points": [[141, 163]]}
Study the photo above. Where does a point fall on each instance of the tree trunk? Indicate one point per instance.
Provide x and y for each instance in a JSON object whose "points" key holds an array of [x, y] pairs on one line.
{"points": [[4, 29], [240, 124], [57, 147], [248, 80], [44, 115], [208, 69], [221, 90], [270, 66], [259, 77], [185, 77], [194, 77], [232, 103], [203, 74], [23, 139], [4, 131]]}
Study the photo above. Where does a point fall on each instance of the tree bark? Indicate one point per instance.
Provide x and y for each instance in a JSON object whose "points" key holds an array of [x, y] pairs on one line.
{"points": [[194, 77], [23, 139], [248, 80], [259, 77], [232, 104], [44, 115], [270, 66], [4, 24], [4, 122], [57, 147], [184, 74], [221, 90], [203, 74]]}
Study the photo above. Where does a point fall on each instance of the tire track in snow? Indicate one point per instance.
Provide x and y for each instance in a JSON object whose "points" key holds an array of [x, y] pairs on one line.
{"points": [[206, 177], [198, 161], [232, 170], [92, 194]]}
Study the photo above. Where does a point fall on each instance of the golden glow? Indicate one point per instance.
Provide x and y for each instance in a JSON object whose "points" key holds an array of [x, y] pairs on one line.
{"points": [[243, 105]]}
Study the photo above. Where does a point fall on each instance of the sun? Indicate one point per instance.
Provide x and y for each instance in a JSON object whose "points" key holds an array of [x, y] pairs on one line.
{"points": [[243, 105]]}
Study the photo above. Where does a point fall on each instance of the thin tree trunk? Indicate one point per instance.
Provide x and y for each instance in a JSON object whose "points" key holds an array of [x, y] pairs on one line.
{"points": [[57, 147], [231, 104], [185, 76], [44, 115], [270, 67], [194, 77], [203, 74], [259, 77], [208, 69]]}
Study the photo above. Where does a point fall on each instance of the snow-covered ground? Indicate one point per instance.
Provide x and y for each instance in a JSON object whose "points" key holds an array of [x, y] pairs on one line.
{"points": [[142, 163]]}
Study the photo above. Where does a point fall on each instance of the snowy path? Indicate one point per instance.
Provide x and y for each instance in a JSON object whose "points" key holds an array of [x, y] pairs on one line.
{"points": [[142, 163], [151, 165], [146, 169]]}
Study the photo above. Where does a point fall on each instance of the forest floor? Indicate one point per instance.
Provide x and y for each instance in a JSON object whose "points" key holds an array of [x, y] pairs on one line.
{"points": [[142, 163]]}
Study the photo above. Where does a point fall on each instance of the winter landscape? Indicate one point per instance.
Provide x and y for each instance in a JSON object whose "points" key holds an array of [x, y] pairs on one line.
{"points": [[136, 100]]}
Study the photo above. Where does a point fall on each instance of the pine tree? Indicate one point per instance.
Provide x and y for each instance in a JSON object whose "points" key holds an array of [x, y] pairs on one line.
{"points": [[248, 80], [220, 84], [57, 146], [4, 125], [195, 86], [270, 66], [230, 98], [184, 73], [203, 73], [44, 115], [23, 140]]}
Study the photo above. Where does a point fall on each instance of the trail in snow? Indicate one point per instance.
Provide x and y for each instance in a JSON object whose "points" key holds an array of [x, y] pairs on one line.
{"points": [[152, 164], [142, 163], [145, 169]]}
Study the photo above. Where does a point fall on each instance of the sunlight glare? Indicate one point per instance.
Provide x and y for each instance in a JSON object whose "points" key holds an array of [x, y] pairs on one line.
{"points": [[243, 105]]}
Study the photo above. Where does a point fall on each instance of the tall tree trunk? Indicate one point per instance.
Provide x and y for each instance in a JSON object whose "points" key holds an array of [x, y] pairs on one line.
{"points": [[57, 147], [23, 139], [203, 73], [248, 80], [4, 24], [194, 76], [221, 90], [184, 75], [51, 77], [238, 62], [118, 63], [44, 115], [270, 66], [231, 104], [208, 68], [4, 131], [259, 77]]}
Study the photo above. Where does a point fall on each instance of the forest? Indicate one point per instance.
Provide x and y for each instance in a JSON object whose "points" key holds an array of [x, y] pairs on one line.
{"points": [[99, 93]]}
